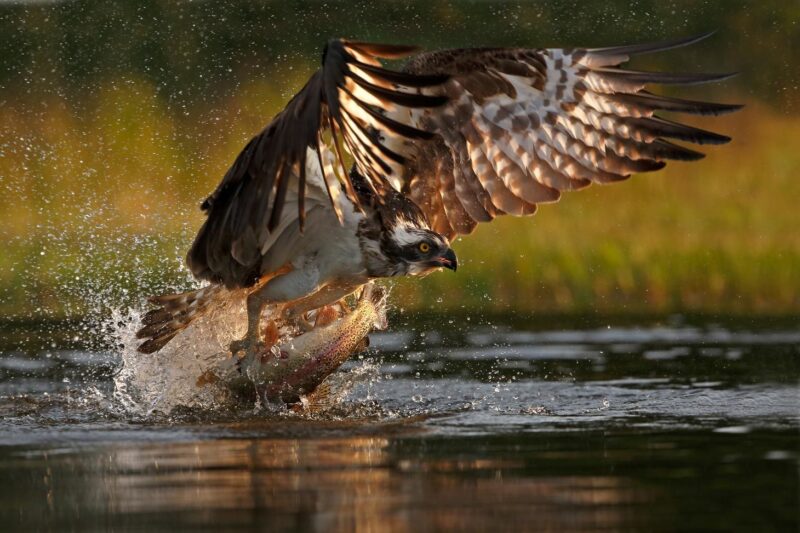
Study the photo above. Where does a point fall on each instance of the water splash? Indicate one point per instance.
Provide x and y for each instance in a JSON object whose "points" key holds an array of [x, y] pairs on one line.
{"points": [[348, 393], [195, 369], [174, 376]]}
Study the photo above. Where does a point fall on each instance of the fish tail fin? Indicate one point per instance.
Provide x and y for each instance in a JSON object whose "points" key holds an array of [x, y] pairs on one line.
{"points": [[320, 399], [173, 314]]}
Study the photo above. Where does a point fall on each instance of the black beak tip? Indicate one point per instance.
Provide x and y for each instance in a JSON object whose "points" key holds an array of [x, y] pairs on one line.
{"points": [[451, 261]]}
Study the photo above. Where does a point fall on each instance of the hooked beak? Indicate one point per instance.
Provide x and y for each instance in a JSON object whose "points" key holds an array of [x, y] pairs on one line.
{"points": [[448, 260]]}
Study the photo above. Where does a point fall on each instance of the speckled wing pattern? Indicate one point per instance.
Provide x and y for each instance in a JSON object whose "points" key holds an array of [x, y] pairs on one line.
{"points": [[523, 125]]}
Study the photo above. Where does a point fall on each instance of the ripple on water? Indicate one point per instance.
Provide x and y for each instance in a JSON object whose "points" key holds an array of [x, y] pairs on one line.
{"points": [[494, 381]]}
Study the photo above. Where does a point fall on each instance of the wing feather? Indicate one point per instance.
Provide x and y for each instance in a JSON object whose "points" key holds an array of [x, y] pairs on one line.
{"points": [[349, 98], [523, 125], [468, 134]]}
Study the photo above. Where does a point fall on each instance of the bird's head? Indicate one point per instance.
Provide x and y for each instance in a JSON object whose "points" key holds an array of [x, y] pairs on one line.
{"points": [[417, 250], [400, 241]]}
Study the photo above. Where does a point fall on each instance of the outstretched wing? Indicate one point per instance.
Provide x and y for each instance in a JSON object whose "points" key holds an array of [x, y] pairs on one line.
{"points": [[523, 125], [345, 102]]}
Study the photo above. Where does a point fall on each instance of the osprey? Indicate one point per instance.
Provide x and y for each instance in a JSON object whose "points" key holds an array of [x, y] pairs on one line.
{"points": [[455, 138]]}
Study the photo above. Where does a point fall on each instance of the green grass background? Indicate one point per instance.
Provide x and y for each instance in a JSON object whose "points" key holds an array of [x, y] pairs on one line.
{"points": [[116, 121]]}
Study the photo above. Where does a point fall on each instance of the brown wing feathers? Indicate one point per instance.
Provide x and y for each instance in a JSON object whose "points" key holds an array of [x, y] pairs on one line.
{"points": [[491, 131], [349, 97], [524, 125]]}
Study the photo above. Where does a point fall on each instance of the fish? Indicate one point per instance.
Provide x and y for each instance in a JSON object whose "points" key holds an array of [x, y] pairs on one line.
{"points": [[294, 368]]}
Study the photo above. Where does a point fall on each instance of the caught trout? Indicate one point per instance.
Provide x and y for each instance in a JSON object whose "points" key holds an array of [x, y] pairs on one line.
{"points": [[188, 362], [295, 367]]}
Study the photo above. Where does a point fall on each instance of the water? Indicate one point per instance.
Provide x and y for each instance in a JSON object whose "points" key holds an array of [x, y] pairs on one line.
{"points": [[484, 427]]}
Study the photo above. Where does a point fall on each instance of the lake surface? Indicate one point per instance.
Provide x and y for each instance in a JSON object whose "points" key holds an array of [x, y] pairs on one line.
{"points": [[450, 426]]}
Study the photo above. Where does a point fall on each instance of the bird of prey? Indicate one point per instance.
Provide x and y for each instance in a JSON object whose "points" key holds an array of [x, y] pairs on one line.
{"points": [[454, 138]]}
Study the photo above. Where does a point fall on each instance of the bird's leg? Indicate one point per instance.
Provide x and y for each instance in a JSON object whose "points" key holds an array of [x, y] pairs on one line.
{"points": [[327, 295], [285, 285], [251, 342], [256, 301], [254, 349]]}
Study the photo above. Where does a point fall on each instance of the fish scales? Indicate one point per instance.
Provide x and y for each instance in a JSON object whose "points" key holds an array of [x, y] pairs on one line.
{"points": [[305, 361]]}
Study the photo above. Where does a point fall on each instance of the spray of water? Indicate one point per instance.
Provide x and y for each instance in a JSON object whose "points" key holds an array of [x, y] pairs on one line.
{"points": [[195, 369], [173, 376]]}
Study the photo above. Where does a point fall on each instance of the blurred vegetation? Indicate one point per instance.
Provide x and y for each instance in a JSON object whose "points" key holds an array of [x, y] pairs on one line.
{"points": [[117, 118]]}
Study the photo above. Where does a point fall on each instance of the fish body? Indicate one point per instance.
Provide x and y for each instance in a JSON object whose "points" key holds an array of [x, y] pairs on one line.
{"points": [[296, 367]]}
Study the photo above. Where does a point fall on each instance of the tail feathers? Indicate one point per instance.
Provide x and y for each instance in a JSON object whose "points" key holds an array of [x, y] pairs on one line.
{"points": [[175, 313]]}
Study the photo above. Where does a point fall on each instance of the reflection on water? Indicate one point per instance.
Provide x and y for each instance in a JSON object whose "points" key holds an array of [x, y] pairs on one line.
{"points": [[667, 428], [553, 481], [340, 484], [348, 483]]}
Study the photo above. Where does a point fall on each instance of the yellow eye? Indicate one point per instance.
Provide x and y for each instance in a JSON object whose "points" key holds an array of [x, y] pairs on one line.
{"points": [[424, 247]]}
